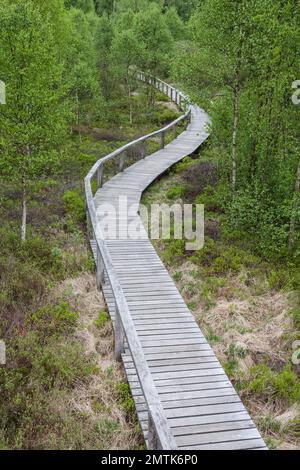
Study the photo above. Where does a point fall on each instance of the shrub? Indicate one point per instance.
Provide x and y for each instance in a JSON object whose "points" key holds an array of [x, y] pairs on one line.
{"points": [[174, 249], [54, 320], [164, 117], [182, 165], [176, 192], [74, 205], [200, 175], [125, 400], [102, 319], [282, 385], [47, 363]]}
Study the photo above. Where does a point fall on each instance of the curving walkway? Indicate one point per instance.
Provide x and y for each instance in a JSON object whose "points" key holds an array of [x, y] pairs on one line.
{"points": [[201, 407]]}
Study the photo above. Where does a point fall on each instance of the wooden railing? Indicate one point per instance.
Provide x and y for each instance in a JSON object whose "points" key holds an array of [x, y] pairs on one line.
{"points": [[159, 434]]}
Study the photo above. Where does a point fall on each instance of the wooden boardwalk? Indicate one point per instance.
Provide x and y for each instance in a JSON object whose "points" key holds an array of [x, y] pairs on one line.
{"points": [[201, 407]]}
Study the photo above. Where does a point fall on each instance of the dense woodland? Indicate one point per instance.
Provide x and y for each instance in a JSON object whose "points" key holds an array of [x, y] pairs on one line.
{"points": [[71, 98]]}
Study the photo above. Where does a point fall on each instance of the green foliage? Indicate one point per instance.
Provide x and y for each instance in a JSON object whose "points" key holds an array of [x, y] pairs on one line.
{"points": [[183, 165], [255, 62], [268, 424], [295, 312], [184, 7], [282, 385], [154, 35], [47, 364], [175, 24], [53, 320], [102, 319], [221, 259], [176, 192], [174, 250], [85, 5], [164, 117], [74, 205], [33, 122], [125, 399]]}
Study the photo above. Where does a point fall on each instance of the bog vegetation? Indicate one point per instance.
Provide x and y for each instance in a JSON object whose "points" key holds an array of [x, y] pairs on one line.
{"points": [[71, 98]]}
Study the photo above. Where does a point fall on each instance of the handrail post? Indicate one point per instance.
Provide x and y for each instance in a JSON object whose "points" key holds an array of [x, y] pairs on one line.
{"points": [[186, 122], [153, 441], [144, 149], [119, 336], [122, 162], [100, 269], [171, 94], [175, 131], [100, 172], [162, 145]]}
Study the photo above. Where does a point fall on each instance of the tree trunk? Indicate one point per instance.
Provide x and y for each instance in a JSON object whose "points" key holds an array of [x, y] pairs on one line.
{"points": [[293, 214], [234, 137], [130, 105], [24, 211], [78, 116]]}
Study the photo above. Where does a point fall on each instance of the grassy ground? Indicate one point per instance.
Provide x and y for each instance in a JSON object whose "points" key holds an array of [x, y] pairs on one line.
{"points": [[61, 388], [247, 307]]}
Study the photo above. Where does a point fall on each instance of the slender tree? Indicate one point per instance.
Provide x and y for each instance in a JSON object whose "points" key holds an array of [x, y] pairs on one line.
{"points": [[32, 123], [125, 53]]}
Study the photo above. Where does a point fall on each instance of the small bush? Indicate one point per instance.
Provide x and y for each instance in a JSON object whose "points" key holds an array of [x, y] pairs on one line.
{"points": [[174, 250], [125, 400], [102, 319], [201, 175], [278, 279], [176, 192], [74, 205], [164, 117], [54, 320], [182, 165]]}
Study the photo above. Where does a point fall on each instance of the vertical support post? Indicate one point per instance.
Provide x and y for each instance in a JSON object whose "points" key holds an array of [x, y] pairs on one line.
{"points": [[179, 101], [186, 122], [100, 172], [122, 162], [144, 149], [100, 269], [119, 336], [175, 131], [162, 146], [153, 442]]}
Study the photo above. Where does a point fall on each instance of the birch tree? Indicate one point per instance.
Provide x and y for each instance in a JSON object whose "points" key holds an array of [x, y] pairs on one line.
{"points": [[125, 53], [33, 121]]}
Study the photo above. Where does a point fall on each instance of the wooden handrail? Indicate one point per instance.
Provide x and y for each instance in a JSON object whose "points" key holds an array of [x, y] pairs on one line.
{"points": [[160, 435]]}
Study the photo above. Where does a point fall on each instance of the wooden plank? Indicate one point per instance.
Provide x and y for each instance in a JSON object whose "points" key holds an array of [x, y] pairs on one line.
{"points": [[248, 444], [216, 427], [216, 437]]}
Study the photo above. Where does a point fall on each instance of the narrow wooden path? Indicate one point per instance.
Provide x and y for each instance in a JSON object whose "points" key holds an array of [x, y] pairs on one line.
{"points": [[198, 403]]}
